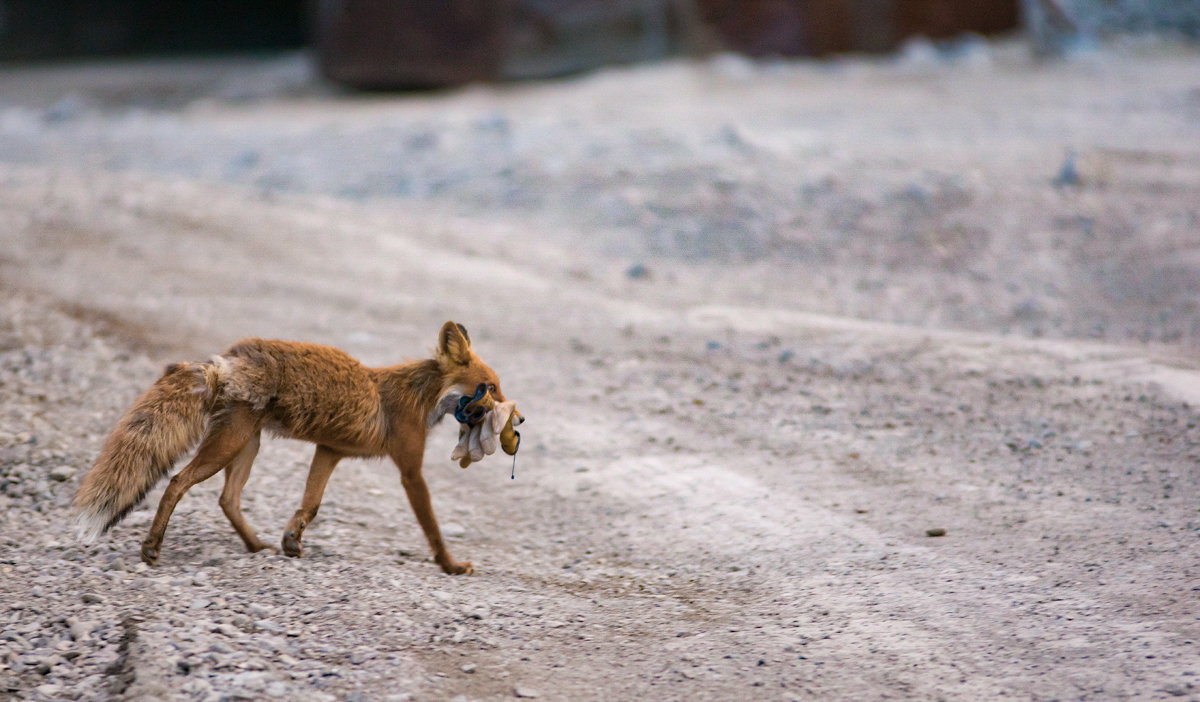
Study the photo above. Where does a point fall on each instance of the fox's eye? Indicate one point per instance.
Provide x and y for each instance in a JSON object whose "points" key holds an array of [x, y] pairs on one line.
{"points": [[491, 388]]}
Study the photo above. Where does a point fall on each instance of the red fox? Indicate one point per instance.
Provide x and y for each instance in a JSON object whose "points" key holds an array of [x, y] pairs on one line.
{"points": [[295, 390]]}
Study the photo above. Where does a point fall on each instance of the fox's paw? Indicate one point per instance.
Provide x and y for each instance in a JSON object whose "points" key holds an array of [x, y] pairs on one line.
{"points": [[149, 554], [291, 545], [457, 568]]}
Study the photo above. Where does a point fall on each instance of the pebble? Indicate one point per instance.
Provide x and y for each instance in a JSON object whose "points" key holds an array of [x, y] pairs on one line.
{"points": [[935, 531], [526, 693], [1068, 173], [468, 668], [62, 473], [80, 630], [277, 689], [453, 530]]}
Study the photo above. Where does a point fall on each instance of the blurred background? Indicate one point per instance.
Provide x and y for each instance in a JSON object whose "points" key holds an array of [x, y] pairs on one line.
{"points": [[414, 42]]}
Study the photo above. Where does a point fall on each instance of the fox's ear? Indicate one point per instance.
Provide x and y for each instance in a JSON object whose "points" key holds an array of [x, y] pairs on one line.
{"points": [[454, 346]]}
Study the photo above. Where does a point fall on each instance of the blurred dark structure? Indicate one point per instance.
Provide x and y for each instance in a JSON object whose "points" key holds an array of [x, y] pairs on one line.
{"points": [[1059, 27], [820, 27], [381, 43], [396, 43], [42, 29], [429, 42], [405, 42]]}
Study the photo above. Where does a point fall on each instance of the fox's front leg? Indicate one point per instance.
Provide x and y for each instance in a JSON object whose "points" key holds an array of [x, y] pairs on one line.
{"points": [[409, 462]]}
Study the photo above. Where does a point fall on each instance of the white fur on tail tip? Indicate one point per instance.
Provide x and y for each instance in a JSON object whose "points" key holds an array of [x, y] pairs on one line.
{"points": [[89, 526]]}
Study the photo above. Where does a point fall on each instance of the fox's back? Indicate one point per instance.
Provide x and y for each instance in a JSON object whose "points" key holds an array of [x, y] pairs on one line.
{"points": [[309, 391]]}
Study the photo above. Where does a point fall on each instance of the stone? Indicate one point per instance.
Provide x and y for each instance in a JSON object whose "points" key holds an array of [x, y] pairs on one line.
{"points": [[62, 473], [80, 630], [277, 689]]}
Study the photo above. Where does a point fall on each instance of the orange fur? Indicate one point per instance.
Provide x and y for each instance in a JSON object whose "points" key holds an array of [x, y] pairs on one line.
{"points": [[297, 390]]}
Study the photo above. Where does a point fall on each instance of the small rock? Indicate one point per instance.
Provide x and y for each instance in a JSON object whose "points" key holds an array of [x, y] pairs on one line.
{"points": [[732, 136], [935, 531], [453, 530], [62, 473], [468, 668], [637, 271], [733, 66], [47, 663], [786, 355], [251, 680], [265, 625], [526, 693], [495, 122], [67, 108], [1068, 174], [919, 53], [197, 686], [80, 630], [246, 160]]}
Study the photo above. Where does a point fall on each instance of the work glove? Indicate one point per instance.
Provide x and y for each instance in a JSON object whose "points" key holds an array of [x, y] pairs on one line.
{"points": [[481, 439]]}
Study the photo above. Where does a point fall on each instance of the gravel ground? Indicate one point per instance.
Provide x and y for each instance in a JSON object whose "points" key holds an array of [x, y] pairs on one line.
{"points": [[774, 327]]}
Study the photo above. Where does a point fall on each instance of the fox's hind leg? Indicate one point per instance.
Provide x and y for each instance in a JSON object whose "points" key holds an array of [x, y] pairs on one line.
{"points": [[323, 463], [224, 441], [236, 474]]}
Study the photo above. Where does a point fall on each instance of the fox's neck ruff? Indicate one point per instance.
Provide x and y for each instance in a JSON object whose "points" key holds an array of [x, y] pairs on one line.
{"points": [[418, 386], [445, 405]]}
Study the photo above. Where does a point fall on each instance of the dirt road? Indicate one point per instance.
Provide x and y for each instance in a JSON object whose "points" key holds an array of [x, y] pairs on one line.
{"points": [[769, 325]]}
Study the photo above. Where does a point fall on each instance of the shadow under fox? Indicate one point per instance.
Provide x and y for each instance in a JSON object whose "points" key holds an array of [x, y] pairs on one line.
{"points": [[295, 390]]}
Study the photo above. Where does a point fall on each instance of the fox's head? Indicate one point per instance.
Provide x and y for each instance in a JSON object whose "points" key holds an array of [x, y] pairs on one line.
{"points": [[463, 371]]}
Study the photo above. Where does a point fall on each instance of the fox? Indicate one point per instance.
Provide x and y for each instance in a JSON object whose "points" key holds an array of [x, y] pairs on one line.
{"points": [[297, 390]]}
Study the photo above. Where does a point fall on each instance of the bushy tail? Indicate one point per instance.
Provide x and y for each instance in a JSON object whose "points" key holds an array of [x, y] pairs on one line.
{"points": [[165, 422]]}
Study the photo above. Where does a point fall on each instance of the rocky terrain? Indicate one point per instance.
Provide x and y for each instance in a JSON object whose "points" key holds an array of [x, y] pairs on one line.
{"points": [[859, 379]]}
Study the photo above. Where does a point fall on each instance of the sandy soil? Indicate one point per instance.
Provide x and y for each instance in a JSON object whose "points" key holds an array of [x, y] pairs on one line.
{"points": [[769, 324]]}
